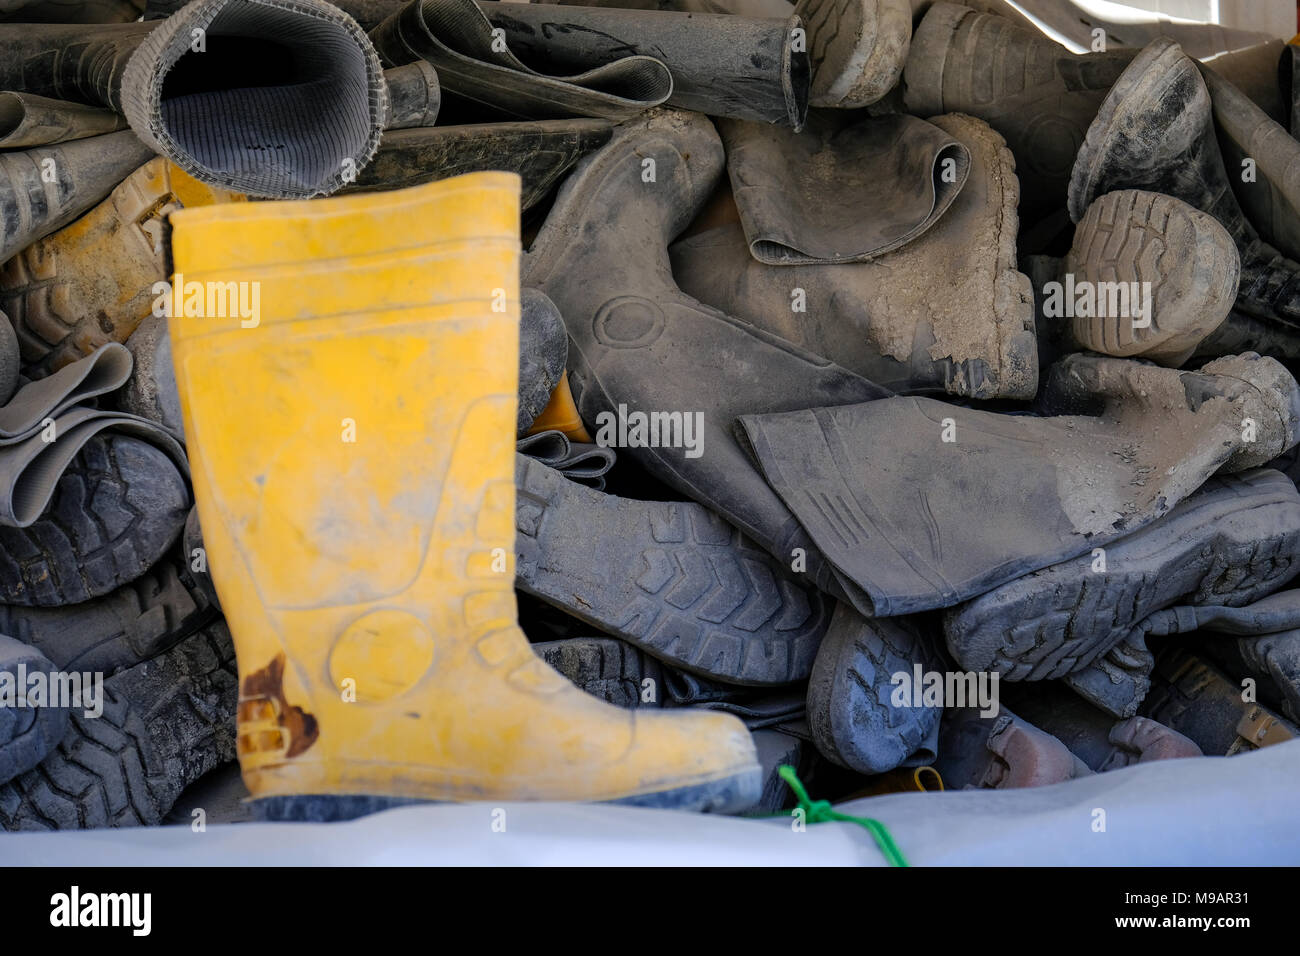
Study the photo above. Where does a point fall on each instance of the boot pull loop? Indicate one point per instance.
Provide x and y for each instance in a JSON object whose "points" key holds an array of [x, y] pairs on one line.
{"points": [[821, 811]]}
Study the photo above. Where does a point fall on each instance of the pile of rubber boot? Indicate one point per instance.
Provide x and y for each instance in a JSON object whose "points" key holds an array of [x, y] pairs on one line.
{"points": [[677, 401]]}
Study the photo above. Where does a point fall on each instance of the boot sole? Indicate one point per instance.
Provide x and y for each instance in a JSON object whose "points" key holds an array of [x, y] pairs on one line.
{"points": [[1234, 542], [699, 595], [136, 622], [165, 724], [865, 44], [1127, 98], [115, 512], [1125, 237], [28, 733]]}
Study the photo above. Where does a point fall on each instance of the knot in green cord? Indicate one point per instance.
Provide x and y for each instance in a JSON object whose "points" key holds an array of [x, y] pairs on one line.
{"points": [[821, 811]]}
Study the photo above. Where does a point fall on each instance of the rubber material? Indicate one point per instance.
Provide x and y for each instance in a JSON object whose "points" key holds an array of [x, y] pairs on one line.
{"points": [[27, 120], [413, 96], [582, 463], [1234, 541], [27, 732], [166, 722], [669, 577], [543, 355], [841, 192], [637, 341], [1001, 752]]}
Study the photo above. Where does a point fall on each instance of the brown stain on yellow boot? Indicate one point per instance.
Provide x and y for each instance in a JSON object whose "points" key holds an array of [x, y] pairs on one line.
{"points": [[300, 726]]}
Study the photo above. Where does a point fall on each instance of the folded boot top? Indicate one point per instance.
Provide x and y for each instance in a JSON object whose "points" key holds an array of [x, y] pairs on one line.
{"points": [[27, 120], [923, 504], [641, 346], [478, 72], [947, 312], [841, 192]]}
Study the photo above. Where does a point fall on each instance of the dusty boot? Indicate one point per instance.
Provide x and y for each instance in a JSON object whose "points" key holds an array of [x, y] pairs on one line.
{"points": [[637, 341], [66, 297], [84, 171], [1155, 132], [1000, 752], [413, 96], [150, 392], [80, 11], [1232, 542], [222, 112], [32, 722], [561, 415], [476, 74], [1265, 164], [415, 602], [858, 715], [1093, 735], [1200, 701], [27, 121], [700, 596], [1148, 438], [164, 724], [1148, 276], [1033, 91], [541, 152], [1290, 79], [543, 355], [891, 320], [841, 192], [740, 67]]}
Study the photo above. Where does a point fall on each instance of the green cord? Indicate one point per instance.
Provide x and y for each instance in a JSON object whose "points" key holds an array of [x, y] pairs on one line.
{"points": [[821, 811]]}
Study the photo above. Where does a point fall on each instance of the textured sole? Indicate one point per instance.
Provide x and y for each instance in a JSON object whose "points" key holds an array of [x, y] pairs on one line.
{"points": [[604, 667], [1233, 542], [850, 714], [116, 510], [165, 724], [136, 622], [670, 577], [1188, 259], [27, 733], [857, 48]]}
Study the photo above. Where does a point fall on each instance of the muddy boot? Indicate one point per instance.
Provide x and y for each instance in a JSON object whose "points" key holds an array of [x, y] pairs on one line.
{"points": [[543, 355], [1148, 276], [637, 341], [220, 112], [475, 73], [866, 710], [700, 596], [1033, 91], [27, 121], [1000, 752], [428, 689], [45, 188], [1234, 541], [1200, 701], [739, 67], [541, 152], [1093, 735], [150, 392], [67, 297], [31, 722], [79, 11], [1147, 439], [889, 320], [1155, 132], [413, 96], [860, 190], [164, 724], [1264, 164]]}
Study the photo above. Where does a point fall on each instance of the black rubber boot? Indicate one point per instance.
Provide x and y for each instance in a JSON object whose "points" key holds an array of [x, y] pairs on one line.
{"points": [[245, 112], [78, 11], [165, 723], [413, 96], [639, 344], [1033, 91], [543, 355], [1155, 132], [30, 726], [27, 121], [1000, 752], [669, 577], [540, 151]]}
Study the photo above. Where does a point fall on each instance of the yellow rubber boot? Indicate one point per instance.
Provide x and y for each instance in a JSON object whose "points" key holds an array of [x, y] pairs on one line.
{"points": [[353, 459]]}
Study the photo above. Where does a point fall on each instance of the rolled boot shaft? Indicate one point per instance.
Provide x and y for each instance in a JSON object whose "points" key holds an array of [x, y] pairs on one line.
{"points": [[413, 96], [27, 120], [233, 91], [739, 67]]}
